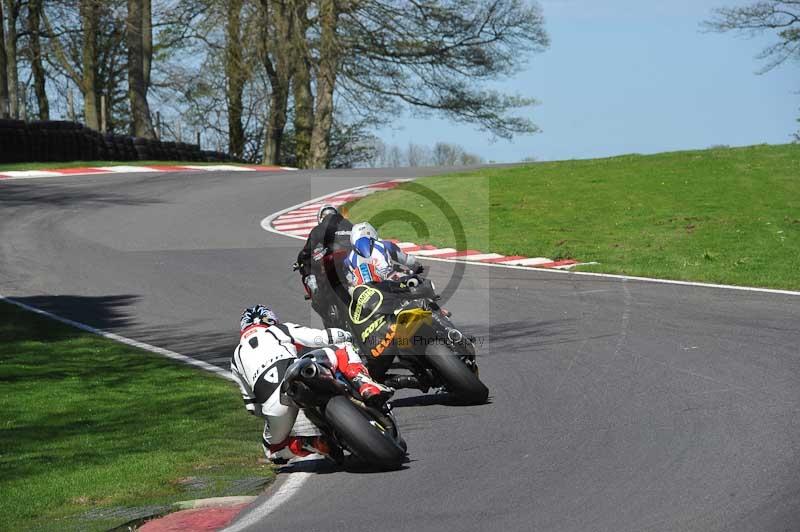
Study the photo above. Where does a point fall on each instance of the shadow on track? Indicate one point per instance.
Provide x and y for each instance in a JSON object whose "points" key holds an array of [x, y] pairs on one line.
{"points": [[322, 466], [429, 399], [16, 194], [101, 312], [114, 314]]}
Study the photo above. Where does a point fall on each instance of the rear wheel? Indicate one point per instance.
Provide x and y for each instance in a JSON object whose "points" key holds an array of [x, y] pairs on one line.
{"points": [[362, 435], [459, 380]]}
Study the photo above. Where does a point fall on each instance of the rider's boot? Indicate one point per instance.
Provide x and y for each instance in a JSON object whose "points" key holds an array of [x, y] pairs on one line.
{"points": [[374, 393], [302, 446], [316, 445]]}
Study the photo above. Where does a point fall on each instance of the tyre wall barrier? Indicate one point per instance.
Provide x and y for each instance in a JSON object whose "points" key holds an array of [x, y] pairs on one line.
{"points": [[62, 141]]}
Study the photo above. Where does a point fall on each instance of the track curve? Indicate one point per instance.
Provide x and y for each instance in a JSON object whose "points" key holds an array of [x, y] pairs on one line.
{"points": [[616, 405]]}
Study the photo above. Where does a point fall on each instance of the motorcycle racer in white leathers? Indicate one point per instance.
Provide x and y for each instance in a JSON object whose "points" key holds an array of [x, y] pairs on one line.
{"points": [[266, 349], [372, 260]]}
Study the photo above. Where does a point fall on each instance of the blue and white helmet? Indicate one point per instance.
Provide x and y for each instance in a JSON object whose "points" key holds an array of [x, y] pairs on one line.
{"points": [[362, 238], [256, 315]]}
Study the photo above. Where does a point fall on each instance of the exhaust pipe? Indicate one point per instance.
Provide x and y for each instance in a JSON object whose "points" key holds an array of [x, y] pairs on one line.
{"points": [[310, 371], [454, 335]]}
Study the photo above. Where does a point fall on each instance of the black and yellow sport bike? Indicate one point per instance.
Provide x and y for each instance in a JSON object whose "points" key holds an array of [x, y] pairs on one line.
{"points": [[409, 341]]}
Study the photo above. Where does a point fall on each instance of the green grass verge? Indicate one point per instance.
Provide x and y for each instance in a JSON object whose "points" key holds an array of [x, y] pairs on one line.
{"points": [[91, 164], [91, 426], [728, 215]]}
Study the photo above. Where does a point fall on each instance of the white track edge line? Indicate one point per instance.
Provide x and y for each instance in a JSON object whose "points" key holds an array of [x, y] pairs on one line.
{"points": [[256, 514], [19, 174], [293, 481], [127, 341], [623, 277], [265, 224]]}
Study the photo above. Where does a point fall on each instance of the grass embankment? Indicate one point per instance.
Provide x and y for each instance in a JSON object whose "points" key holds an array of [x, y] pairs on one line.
{"points": [[91, 427], [93, 164], [727, 215]]}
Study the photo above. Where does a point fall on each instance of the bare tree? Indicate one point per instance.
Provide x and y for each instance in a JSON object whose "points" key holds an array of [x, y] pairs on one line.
{"points": [[84, 74], [326, 82], [468, 159], [377, 152], [138, 33], [235, 76], [12, 12], [445, 154], [394, 157], [350, 144], [301, 84], [437, 56], [781, 17], [432, 56], [275, 55], [3, 67], [35, 58], [327, 63], [275, 51], [418, 155], [88, 81]]}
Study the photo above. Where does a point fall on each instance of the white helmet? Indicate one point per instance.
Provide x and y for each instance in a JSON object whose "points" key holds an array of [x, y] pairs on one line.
{"points": [[326, 210], [362, 238]]}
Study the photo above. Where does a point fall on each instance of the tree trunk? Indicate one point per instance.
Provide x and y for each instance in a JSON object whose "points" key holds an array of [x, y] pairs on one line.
{"points": [[276, 39], [276, 122], [11, 59], [141, 125], [234, 73], [3, 68], [35, 57], [89, 18], [147, 40], [301, 85], [326, 81]]}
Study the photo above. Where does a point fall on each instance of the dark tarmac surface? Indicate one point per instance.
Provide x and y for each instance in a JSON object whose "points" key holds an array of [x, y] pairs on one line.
{"points": [[615, 405]]}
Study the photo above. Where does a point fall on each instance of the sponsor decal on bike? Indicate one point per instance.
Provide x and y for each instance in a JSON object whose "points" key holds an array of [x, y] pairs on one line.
{"points": [[361, 301], [372, 327], [408, 323], [387, 340]]}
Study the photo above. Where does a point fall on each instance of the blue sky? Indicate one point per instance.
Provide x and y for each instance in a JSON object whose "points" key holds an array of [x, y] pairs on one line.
{"points": [[634, 76]]}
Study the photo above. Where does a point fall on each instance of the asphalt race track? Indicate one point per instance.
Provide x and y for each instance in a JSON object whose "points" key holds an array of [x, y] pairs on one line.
{"points": [[616, 405]]}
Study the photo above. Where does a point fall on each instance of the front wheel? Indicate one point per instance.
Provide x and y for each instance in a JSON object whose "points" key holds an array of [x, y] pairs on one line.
{"points": [[459, 380], [362, 435]]}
